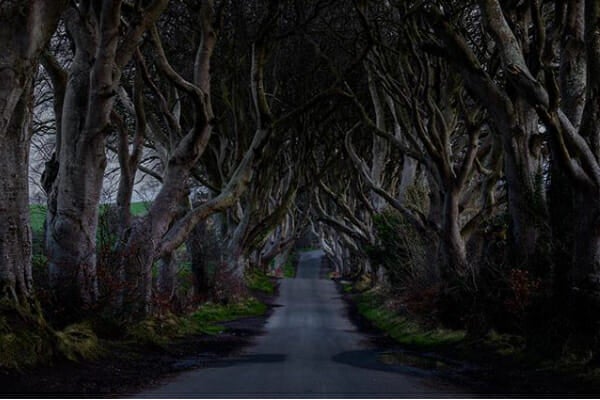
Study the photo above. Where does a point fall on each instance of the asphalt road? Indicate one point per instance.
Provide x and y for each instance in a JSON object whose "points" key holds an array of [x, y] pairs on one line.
{"points": [[310, 349]]}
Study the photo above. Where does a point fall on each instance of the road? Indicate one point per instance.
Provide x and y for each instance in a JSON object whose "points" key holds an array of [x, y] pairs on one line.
{"points": [[310, 349]]}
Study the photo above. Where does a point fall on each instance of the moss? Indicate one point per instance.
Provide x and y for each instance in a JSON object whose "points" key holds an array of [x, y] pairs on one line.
{"points": [[403, 329], [363, 283], [25, 338], [22, 348], [78, 342], [158, 331], [260, 282]]}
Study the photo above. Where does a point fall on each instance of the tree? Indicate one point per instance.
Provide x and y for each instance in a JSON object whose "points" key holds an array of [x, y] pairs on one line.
{"points": [[100, 54], [33, 23]]}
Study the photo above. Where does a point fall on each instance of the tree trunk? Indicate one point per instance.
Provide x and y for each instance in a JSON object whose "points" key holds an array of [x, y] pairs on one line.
{"points": [[73, 203], [25, 28], [72, 226], [15, 234], [165, 283], [407, 180], [457, 266], [138, 257], [196, 245], [167, 269], [101, 53]]}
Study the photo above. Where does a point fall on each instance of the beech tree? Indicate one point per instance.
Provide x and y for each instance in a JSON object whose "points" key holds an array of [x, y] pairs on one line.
{"points": [[548, 77], [436, 124], [25, 29], [100, 54], [362, 122]]}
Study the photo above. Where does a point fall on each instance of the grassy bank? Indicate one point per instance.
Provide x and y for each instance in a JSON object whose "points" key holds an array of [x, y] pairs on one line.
{"points": [[501, 363], [403, 329], [205, 320], [259, 282], [23, 347], [142, 355]]}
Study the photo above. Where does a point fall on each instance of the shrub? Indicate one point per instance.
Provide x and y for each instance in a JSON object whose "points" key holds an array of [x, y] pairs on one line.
{"points": [[399, 249]]}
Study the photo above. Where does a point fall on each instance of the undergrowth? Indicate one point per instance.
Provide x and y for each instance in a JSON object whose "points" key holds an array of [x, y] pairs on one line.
{"points": [[495, 349], [403, 329], [26, 340], [158, 331], [258, 281], [211, 312], [289, 271]]}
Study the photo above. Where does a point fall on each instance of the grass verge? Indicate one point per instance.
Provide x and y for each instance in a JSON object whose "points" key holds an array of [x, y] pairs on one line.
{"points": [[289, 268], [159, 331], [499, 362], [401, 328], [260, 282]]}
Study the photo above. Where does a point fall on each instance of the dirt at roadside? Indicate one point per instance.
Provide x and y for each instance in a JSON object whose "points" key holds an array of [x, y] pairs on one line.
{"points": [[127, 368]]}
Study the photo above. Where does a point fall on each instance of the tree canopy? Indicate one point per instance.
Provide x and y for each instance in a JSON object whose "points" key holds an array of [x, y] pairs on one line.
{"points": [[445, 147]]}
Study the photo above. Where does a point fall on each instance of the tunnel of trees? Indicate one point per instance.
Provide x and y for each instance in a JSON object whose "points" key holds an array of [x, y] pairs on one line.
{"points": [[446, 151]]}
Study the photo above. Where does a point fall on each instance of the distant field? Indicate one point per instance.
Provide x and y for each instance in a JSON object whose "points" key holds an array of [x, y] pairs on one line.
{"points": [[38, 213]]}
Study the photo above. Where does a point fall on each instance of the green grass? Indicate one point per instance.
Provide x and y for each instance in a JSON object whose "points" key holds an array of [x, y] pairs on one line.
{"points": [[211, 312], [206, 318], [140, 208], [288, 268], [347, 287], [38, 213], [260, 282], [158, 331], [402, 329]]}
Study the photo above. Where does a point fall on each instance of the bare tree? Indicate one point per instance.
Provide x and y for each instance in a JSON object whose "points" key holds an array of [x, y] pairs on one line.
{"points": [[32, 22]]}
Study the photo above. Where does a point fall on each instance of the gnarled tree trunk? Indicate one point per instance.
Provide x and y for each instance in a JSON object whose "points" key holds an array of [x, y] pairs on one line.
{"points": [[25, 28], [15, 234], [100, 56]]}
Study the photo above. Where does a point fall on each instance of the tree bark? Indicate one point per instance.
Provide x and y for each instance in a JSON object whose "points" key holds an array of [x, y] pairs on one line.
{"points": [[455, 250], [15, 235], [585, 273], [100, 55], [25, 28], [73, 204], [196, 245]]}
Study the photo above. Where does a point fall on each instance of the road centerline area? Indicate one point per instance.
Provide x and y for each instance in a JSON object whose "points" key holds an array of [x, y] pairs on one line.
{"points": [[310, 349]]}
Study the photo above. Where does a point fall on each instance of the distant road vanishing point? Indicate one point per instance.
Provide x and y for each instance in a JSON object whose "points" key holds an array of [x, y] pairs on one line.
{"points": [[310, 349]]}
